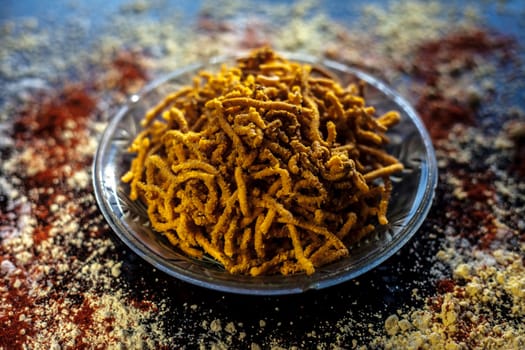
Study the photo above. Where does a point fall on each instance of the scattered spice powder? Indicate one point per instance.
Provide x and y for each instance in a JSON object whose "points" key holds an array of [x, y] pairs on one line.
{"points": [[453, 55], [55, 252], [440, 114], [66, 284], [130, 70], [49, 116], [457, 52]]}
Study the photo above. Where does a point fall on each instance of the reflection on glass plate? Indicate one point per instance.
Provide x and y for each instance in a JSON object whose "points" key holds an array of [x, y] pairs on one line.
{"points": [[411, 198]]}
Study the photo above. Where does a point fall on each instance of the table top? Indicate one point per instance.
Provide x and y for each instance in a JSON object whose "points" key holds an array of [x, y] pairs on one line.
{"points": [[68, 282]]}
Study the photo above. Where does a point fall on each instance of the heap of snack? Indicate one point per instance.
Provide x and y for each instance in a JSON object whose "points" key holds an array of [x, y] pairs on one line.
{"points": [[269, 167]]}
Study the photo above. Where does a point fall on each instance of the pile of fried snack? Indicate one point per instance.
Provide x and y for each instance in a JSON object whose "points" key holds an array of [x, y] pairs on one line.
{"points": [[268, 167]]}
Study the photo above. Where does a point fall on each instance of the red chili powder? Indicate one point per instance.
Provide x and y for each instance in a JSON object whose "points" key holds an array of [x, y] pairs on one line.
{"points": [[41, 233], [142, 305], [14, 330], [473, 215], [44, 122], [435, 302], [463, 325], [445, 286], [46, 115], [456, 52], [130, 70], [440, 114], [460, 48], [83, 318]]}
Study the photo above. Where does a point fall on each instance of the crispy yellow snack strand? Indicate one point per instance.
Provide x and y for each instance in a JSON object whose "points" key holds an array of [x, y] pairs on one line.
{"points": [[268, 167]]}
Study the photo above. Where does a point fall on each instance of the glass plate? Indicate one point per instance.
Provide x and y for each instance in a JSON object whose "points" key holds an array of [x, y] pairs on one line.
{"points": [[411, 197]]}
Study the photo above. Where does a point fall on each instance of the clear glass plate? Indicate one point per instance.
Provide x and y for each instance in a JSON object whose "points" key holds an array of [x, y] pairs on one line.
{"points": [[411, 198]]}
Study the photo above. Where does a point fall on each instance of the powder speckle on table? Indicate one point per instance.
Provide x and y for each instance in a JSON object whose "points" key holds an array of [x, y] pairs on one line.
{"points": [[67, 283]]}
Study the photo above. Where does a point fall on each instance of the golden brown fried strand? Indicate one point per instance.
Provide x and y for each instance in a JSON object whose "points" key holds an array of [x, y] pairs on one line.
{"points": [[381, 156], [347, 226], [139, 146], [383, 204], [242, 192], [383, 172], [152, 113], [305, 263], [389, 119]]}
